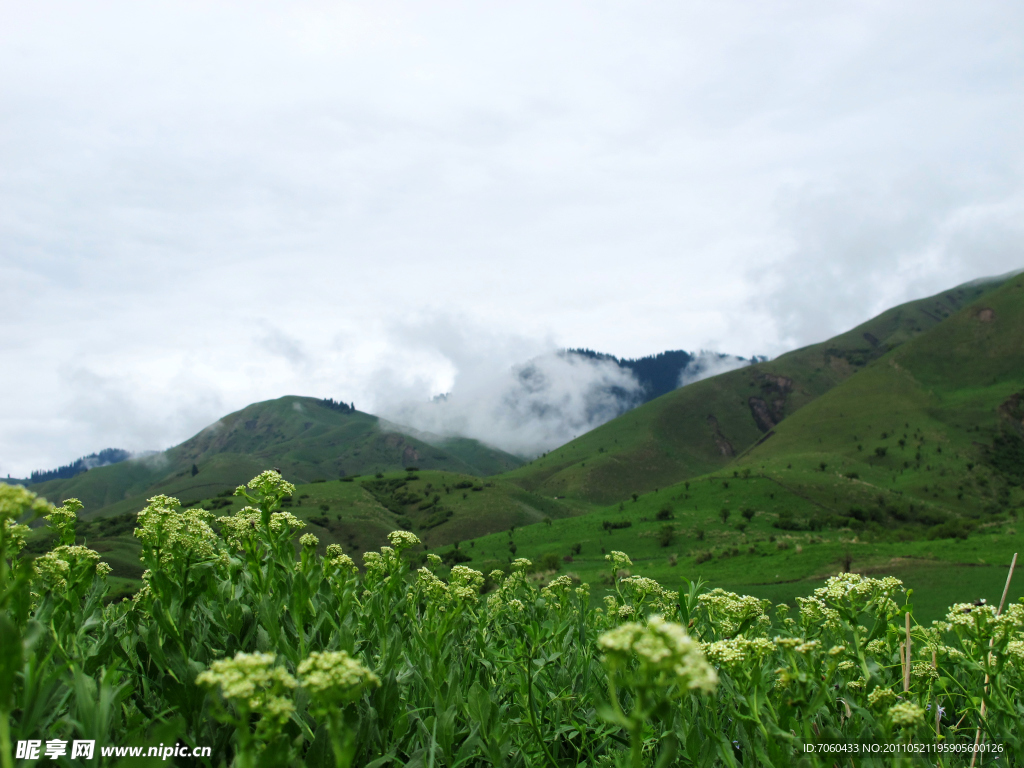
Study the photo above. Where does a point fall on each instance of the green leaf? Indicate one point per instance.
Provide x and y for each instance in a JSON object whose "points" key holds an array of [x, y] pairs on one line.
{"points": [[11, 655]]}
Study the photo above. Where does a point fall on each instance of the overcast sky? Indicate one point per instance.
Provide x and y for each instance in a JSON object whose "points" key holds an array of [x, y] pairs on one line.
{"points": [[207, 204]]}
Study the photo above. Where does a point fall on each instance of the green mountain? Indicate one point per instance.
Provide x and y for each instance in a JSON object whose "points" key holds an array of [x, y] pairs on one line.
{"points": [[912, 465], [702, 427], [305, 438]]}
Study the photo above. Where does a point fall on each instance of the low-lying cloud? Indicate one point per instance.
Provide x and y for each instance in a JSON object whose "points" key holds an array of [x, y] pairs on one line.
{"points": [[527, 408], [708, 364]]}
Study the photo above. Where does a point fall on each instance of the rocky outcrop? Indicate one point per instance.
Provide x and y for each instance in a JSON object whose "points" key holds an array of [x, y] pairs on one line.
{"points": [[724, 446]]}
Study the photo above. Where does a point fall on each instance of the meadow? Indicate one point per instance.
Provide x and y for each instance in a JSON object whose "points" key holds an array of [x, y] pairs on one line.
{"points": [[252, 637]]}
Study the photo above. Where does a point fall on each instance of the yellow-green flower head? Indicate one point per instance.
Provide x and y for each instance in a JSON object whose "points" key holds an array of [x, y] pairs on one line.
{"points": [[434, 561], [737, 650], [17, 503], [845, 666], [343, 563], [434, 589], [334, 550], [285, 521], [463, 576], [814, 611], [62, 519], [241, 527], [103, 569], [252, 683], [881, 697], [665, 653], [521, 564], [270, 483], [57, 565], [728, 610], [334, 677], [52, 571], [877, 647], [856, 591], [1015, 649], [924, 671], [15, 534], [403, 540], [176, 535], [557, 589], [496, 576], [373, 562], [906, 714], [309, 541], [619, 560], [835, 650]]}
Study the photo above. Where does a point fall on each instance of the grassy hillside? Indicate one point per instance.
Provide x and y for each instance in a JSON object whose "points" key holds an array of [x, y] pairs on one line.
{"points": [[303, 437], [702, 427], [357, 513], [912, 466]]}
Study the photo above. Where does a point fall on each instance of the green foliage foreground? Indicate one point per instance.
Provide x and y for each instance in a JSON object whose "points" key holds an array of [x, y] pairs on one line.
{"points": [[235, 644]]}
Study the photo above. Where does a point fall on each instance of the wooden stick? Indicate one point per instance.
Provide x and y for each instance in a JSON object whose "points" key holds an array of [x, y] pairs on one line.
{"points": [[903, 660], [999, 611], [906, 668]]}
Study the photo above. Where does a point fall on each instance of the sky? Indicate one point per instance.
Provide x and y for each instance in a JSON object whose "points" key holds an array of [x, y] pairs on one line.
{"points": [[207, 204]]}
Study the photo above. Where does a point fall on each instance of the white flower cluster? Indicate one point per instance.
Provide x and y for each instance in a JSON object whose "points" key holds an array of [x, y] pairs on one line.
{"points": [[253, 683], [334, 677], [241, 527], [173, 534], [338, 559], [17, 503], [62, 519], [68, 561], [727, 610], [906, 714], [667, 656], [813, 610], [270, 485], [857, 593], [403, 540], [738, 650], [619, 560]]}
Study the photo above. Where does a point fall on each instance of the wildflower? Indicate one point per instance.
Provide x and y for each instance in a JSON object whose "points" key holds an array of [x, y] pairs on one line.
{"points": [[667, 656], [309, 541], [62, 519], [619, 560], [68, 564], [334, 677], [435, 561], [906, 714], [835, 650], [270, 486], [17, 503], [169, 535], [727, 610], [845, 666], [877, 647], [521, 564], [402, 540], [924, 671], [240, 528], [881, 697], [252, 683], [333, 551], [285, 522], [737, 650]]}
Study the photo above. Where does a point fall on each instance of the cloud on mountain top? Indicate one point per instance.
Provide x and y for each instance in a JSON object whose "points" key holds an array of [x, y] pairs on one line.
{"points": [[526, 408]]}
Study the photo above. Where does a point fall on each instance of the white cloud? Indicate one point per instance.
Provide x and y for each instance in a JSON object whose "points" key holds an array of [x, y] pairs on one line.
{"points": [[707, 364], [206, 204], [526, 409]]}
